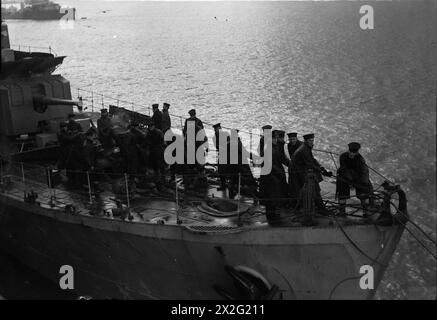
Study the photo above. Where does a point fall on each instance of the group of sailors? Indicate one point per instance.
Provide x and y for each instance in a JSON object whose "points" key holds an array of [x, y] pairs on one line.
{"points": [[132, 147], [305, 171], [113, 147]]}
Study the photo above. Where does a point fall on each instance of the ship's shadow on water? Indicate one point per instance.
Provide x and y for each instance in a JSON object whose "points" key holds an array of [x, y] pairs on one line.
{"points": [[18, 282]]}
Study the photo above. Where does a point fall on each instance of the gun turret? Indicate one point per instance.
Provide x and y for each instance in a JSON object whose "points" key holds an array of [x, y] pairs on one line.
{"points": [[41, 102], [26, 102]]}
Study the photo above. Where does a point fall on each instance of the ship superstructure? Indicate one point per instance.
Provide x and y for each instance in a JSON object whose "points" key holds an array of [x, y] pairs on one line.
{"points": [[36, 10]]}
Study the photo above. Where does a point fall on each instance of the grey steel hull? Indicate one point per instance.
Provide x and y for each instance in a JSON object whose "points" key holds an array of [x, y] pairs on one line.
{"points": [[33, 15], [124, 260]]}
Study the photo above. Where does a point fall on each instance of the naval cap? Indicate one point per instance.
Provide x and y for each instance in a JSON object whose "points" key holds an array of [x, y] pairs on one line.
{"points": [[166, 104], [266, 127], [192, 112], [292, 134], [354, 146], [155, 105], [308, 136]]}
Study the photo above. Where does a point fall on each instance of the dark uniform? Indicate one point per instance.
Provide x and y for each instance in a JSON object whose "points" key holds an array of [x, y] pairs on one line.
{"points": [[293, 147], [156, 139], [281, 159], [105, 132], [198, 125], [222, 168], [128, 151], [271, 185], [89, 152], [139, 138], [291, 150], [75, 139], [354, 172], [302, 162], [240, 168], [261, 141], [157, 117], [166, 121]]}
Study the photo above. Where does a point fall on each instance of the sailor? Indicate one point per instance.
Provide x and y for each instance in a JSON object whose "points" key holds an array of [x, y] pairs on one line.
{"points": [[281, 142], [279, 160], [240, 168], [125, 140], [139, 145], [157, 116], [74, 157], [89, 156], [198, 124], [261, 140], [156, 139], [293, 143], [72, 126], [166, 121], [292, 146], [105, 129], [222, 168], [89, 150], [271, 185], [243, 169], [74, 138], [302, 163], [354, 172]]}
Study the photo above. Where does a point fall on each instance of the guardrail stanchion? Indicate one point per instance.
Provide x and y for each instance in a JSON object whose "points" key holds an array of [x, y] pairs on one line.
{"points": [[126, 181], [178, 221], [239, 195], [89, 186], [92, 101]]}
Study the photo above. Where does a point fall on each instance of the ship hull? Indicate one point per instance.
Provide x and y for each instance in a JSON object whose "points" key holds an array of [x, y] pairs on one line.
{"points": [[33, 15], [124, 260]]}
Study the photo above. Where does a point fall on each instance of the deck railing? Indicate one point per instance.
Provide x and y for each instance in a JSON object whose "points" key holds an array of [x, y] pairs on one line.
{"points": [[26, 48]]}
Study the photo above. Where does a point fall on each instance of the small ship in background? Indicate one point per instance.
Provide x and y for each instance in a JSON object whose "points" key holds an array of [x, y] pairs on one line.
{"points": [[36, 10]]}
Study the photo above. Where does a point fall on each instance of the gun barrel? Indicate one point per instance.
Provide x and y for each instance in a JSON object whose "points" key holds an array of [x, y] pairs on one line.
{"points": [[53, 101]]}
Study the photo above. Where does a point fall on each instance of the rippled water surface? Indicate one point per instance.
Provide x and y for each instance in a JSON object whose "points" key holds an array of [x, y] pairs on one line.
{"points": [[301, 66]]}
